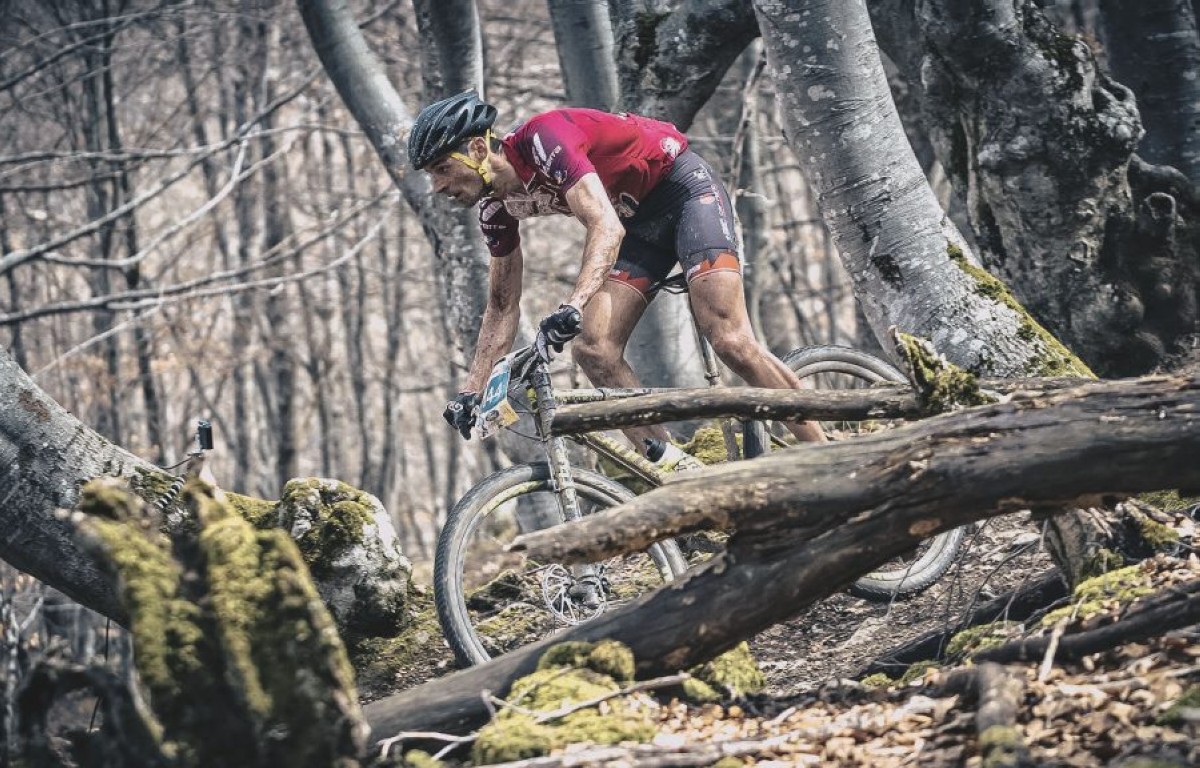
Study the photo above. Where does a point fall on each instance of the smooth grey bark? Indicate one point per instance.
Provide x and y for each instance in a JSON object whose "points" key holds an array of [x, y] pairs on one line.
{"points": [[1153, 47], [907, 261], [45, 455], [376, 106], [586, 48]]}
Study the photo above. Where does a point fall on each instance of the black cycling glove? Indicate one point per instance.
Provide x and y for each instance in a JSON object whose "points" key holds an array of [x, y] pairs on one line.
{"points": [[460, 412], [557, 328]]}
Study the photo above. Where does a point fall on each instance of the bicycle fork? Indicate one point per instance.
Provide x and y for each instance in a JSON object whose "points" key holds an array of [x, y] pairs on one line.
{"points": [[586, 587]]}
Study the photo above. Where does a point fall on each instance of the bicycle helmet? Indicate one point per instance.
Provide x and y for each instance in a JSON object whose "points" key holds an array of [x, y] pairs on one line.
{"points": [[445, 124]]}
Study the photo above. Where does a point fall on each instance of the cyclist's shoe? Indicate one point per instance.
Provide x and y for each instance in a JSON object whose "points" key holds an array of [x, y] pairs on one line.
{"points": [[671, 457]]}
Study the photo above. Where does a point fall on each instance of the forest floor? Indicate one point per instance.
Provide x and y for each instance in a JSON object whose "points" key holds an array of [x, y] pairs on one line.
{"points": [[1124, 706]]}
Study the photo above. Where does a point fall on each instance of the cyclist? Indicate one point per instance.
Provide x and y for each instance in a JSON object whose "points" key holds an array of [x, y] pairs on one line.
{"points": [[647, 202]]}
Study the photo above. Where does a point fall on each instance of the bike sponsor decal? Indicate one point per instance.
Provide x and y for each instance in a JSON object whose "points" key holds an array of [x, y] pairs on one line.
{"points": [[543, 159], [625, 205], [540, 201], [490, 209]]}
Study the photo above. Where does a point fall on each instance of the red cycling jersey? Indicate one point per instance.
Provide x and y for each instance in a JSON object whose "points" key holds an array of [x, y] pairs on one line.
{"points": [[555, 149]]}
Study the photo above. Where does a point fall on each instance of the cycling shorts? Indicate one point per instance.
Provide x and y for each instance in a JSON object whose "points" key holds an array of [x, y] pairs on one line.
{"points": [[686, 219]]}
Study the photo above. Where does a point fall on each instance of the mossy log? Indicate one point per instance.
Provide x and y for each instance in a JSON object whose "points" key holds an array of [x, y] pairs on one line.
{"points": [[810, 520], [241, 660], [888, 401]]}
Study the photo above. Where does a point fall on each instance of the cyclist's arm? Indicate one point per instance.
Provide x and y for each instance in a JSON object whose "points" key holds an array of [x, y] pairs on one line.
{"points": [[589, 202], [500, 318]]}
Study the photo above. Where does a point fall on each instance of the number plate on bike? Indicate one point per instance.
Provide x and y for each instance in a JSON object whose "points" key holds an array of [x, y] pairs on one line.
{"points": [[495, 412]]}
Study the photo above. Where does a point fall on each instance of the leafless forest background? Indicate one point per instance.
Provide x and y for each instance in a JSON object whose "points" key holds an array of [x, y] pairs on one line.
{"points": [[194, 228]]}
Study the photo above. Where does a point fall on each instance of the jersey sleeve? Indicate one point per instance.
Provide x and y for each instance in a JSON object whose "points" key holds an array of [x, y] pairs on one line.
{"points": [[557, 148], [501, 230]]}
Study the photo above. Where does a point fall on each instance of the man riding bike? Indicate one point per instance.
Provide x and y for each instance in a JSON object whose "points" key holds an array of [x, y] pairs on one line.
{"points": [[647, 202]]}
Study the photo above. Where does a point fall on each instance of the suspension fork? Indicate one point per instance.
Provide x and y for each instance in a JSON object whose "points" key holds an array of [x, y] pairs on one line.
{"points": [[588, 586], [561, 480]]}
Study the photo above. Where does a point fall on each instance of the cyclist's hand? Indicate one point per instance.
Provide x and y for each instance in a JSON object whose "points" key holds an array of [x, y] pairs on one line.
{"points": [[460, 412], [556, 329]]}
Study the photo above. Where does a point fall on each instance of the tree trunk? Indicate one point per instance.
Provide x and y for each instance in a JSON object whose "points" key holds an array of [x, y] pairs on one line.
{"points": [[1038, 142], [583, 37], [802, 535], [909, 264], [359, 79], [671, 60], [1153, 47]]}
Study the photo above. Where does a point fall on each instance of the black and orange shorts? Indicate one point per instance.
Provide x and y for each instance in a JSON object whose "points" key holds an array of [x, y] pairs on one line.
{"points": [[687, 219]]}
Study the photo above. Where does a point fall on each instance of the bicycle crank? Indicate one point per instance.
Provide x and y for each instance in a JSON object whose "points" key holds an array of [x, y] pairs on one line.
{"points": [[574, 599]]}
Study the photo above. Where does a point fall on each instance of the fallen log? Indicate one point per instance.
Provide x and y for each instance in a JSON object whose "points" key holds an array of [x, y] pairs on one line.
{"points": [[1042, 450], [864, 503], [1174, 609], [886, 401]]}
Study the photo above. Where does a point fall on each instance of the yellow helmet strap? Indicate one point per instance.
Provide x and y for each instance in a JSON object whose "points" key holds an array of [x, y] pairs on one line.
{"points": [[482, 168]]}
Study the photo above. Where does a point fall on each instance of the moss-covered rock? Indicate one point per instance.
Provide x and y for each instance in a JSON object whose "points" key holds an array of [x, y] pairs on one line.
{"points": [[538, 721], [877, 680], [242, 663], [346, 538], [385, 665], [733, 674]]}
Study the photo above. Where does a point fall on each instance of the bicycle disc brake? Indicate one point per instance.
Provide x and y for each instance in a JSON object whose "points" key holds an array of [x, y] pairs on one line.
{"points": [[573, 600]]}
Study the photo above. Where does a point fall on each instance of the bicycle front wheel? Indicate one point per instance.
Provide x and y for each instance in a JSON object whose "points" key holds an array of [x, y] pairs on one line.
{"points": [[835, 367], [491, 601]]}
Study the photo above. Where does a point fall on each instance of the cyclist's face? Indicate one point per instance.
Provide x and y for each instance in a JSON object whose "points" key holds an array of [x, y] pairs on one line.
{"points": [[455, 179]]}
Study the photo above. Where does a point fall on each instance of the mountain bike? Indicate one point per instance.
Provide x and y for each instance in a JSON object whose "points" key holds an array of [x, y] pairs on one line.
{"points": [[490, 600]]}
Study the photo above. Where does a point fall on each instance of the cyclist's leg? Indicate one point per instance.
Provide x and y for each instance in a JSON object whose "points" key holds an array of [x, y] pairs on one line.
{"points": [[608, 321], [708, 250], [719, 304]]}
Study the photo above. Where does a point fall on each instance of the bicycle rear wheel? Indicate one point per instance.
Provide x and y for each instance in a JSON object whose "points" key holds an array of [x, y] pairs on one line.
{"points": [[491, 601], [836, 367]]}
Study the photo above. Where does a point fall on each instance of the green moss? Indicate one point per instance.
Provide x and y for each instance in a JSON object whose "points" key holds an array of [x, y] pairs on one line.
{"points": [[419, 653], [1156, 534], [877, 680], [230, 637], [335, 514], [1001, 745], [699, 692], [258, 512], [974, 639], [150, 484], [734, 672], [941, 385], [607, 657], [1174, 716], [916, 672], [415, 758], [526, 730], [708, 445], [1096, 594], [1053, 358], [1102, 562], [1169, 501]]}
